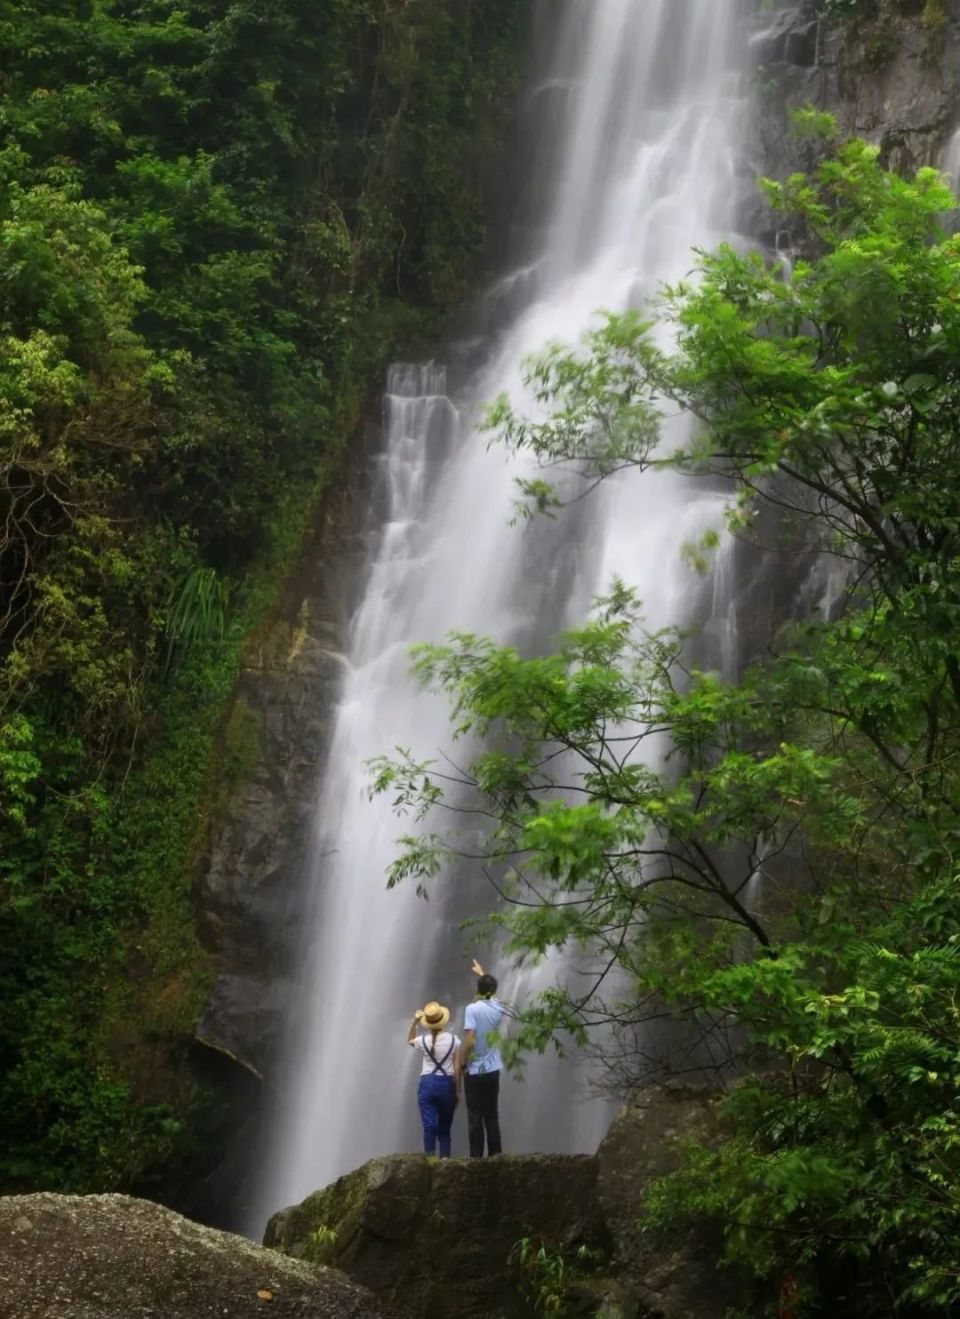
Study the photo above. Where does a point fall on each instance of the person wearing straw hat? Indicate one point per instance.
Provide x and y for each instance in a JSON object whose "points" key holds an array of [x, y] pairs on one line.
{"points": [[440, 1075]]}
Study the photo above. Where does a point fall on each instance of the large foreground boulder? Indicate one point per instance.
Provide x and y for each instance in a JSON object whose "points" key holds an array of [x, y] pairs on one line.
{"points": [[669, 1275], [441, 1237], [113, 1257]]}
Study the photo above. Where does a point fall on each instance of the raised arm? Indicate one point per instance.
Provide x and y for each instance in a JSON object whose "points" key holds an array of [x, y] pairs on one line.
{"points": [[412, 1032]]}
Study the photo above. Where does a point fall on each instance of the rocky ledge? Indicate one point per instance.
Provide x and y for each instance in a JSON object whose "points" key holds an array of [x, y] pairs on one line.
{"points": [[438, 1235], [113, 1257], [442, 1238]]}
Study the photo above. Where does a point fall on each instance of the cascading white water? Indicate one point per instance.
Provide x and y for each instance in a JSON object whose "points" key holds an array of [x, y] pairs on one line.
{"points": [[647, 170]]}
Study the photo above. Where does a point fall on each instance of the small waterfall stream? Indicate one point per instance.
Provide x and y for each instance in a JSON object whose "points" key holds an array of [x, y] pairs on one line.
{"points": [[645, 158], [950, 163]]}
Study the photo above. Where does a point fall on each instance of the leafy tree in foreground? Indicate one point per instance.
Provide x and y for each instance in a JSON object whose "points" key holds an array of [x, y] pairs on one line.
{"points": [[781, 884]]}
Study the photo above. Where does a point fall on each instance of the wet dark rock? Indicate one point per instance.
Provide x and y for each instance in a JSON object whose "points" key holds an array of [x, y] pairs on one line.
{"points": [[802, 44], [113, 1257], [675, 1275], [250, 882], [903, 94], [248, 1010], [789, 37], [889, 80], [889, 83]]}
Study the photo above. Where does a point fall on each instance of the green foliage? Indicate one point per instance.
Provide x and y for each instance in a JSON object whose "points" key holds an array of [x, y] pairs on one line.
{"points": [[857, 9], [849, 8], [782, 883], [217, 222], [936, 17], [549, 1272], [321, 1244], [242, 743], [198, 610], [856, 1158], [876, 23], [597, 423]]}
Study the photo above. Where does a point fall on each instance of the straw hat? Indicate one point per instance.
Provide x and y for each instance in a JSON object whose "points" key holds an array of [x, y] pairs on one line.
{"points": [[434, 1016]]}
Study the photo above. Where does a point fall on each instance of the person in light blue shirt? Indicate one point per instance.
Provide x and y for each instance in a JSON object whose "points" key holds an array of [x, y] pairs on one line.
{"points": [[482, 1065]]}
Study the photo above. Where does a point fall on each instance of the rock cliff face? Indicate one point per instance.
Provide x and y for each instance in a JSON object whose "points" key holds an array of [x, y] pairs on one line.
{"points": [[250, 882], [113, 1257], [893, 79]]}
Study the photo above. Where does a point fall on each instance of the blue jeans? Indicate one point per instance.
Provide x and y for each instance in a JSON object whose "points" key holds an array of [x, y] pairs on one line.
{"points": [[437, 1097]]}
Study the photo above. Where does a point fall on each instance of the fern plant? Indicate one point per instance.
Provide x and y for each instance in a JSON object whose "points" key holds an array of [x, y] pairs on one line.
{"points": [[198, 612]]}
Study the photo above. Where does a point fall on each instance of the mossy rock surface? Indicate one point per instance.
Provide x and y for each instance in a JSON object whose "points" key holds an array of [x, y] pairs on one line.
{"points": [[440, 1238], [436, 1236]]}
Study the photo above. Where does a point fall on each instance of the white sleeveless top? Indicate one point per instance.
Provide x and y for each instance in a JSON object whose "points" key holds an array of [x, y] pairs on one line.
{"points": [[444, 1046]]}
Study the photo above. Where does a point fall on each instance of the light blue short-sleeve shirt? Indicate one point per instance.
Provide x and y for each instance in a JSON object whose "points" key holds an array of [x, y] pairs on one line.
{"points": [[484, 1017]]}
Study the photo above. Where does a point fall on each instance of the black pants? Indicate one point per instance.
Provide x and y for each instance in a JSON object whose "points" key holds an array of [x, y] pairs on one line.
{"points": [[483, 1095]]}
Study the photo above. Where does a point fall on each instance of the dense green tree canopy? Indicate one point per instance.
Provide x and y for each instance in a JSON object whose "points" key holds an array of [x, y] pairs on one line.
{"points": [[217, 220], [782, 885]]}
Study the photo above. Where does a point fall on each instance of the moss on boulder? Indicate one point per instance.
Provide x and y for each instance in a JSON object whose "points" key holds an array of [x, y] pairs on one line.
{"points": [[114, 1257]]}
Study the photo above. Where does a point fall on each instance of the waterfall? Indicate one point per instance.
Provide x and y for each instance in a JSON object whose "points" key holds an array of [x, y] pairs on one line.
{"points": [[644, 159], [950, 162], [950, 165]]}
